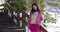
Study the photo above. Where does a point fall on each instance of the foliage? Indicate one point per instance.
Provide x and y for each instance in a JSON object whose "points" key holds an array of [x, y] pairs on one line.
{"points": [[42, 4], [48, 18], [58, 0], [54, 3], [18, 4]]}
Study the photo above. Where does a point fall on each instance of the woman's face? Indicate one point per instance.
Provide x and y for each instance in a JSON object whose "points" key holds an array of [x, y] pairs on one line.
{"points": [[34, 7]]}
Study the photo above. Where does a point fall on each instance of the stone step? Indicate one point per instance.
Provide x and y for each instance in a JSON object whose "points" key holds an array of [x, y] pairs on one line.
{"points": [[13, 30], [5, 20]]}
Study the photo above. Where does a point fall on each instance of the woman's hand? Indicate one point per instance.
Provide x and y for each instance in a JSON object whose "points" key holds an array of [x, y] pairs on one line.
{"points": [[41, 22]]}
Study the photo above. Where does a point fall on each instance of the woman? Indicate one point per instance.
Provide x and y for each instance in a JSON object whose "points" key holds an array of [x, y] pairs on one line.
{"points": [[35, 18]]}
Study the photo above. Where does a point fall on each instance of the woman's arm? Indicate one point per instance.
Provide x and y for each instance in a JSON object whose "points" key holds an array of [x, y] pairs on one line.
{"points": [[29, 18], [41, 16]]}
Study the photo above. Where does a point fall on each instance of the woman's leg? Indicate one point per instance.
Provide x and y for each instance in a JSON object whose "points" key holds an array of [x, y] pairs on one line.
{"points": [[37, 28], [34, 28]]}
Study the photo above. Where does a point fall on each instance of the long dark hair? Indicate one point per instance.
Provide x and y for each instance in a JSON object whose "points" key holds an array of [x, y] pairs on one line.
{"points": [[32, 11]]}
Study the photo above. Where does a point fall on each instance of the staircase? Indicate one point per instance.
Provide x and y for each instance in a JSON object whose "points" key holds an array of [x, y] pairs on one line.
{"points": [[5, 20], [7, 24]]}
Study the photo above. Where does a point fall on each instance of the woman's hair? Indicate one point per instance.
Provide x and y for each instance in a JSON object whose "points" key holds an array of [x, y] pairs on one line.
{"points": [[32, 11]]}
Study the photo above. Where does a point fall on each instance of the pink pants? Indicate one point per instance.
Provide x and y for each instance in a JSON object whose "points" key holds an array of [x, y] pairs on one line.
{"points": [[34, 28]]}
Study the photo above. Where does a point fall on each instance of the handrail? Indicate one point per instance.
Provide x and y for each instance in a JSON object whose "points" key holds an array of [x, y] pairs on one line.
{"points": [[44, 27]]}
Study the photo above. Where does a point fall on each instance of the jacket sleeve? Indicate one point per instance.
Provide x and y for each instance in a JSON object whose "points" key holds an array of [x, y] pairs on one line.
{"points": [[29, 18], [41, 16]]}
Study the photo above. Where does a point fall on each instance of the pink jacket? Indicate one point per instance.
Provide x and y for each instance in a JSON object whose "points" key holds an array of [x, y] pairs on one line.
{"points": [[38, 20]]}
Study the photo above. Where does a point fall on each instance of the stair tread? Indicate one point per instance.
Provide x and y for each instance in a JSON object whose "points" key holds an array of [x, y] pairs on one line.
{"points": [[5, 20]]}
